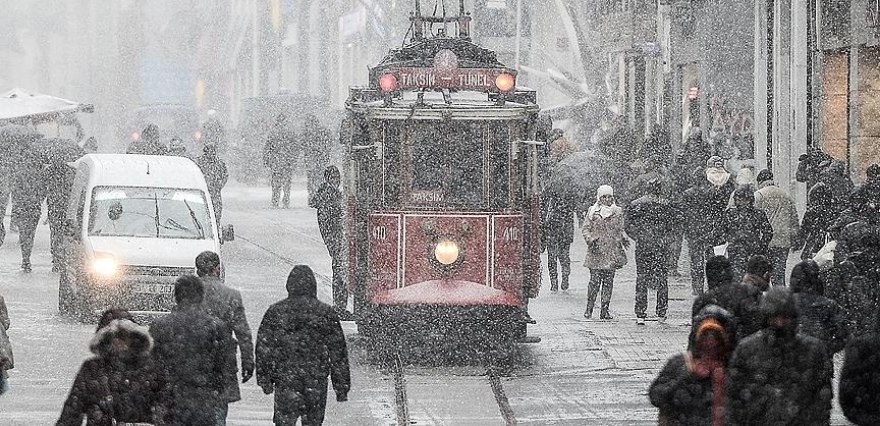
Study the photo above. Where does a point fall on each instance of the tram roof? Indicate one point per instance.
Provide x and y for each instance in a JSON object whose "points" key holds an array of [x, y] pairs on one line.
{"points": [[463, 105]]}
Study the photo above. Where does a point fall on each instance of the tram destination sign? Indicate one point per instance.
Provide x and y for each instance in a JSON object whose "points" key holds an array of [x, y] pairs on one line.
{"points": [[478, 79]]}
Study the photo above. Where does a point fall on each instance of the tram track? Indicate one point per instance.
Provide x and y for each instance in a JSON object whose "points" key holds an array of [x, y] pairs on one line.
{"points": [[401, 400]]}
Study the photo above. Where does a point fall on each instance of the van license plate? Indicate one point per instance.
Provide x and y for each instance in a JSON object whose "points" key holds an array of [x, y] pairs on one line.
{"points": [[153, 288]]}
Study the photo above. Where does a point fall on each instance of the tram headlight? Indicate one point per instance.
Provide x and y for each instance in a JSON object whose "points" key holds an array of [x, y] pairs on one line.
{"points": [[388, 82], [447, 252], [505, 82]]}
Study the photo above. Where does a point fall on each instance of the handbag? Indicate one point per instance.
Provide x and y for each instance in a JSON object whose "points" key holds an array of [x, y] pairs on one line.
{"points": [[619, 260]]}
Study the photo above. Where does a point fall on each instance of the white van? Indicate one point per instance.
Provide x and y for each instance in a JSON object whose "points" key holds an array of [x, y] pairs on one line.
{"points": [[134, 224]]}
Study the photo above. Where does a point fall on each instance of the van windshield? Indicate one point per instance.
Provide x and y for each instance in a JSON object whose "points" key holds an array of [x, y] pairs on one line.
{"points": [[149, 213]]}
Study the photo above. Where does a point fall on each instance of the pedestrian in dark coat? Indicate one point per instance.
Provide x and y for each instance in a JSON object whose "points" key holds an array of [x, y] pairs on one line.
{"points": [[694, 152], [746, 231], [860, 380], [695, 210], [606, 249], [858, 294], [225, 304], [739, 299], [328, 202], [216, 175], [820, 317], [279, 155], [149, 143], [778, 376], [299, 344], [650, 221], [192, 351], [821, 213], [121, 383], [560, 206], [59, 180], [689, 391], [28, 194]]}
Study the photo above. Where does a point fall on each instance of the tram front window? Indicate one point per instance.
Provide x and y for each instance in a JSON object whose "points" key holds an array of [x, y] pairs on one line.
{"points": [[447, 165]]}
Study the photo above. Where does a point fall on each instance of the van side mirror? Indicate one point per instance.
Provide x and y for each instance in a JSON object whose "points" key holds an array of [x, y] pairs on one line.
{"points": [[227, 233]]}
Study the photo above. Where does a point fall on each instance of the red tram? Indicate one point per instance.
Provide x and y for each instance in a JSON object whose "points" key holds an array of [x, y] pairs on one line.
{"points": [[442, 189]]}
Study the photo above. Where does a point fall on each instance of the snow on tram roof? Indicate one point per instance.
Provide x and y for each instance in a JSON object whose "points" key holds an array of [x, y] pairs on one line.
{"points": [[464, 105]]}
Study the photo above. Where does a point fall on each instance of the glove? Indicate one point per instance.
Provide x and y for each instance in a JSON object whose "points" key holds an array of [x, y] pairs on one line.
{"points": [[268, 388], [247, 371], [341, 396]]}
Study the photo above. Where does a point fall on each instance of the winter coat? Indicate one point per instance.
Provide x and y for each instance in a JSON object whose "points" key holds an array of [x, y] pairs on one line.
{"points": [[650, 222], [859, 278], [216, 175], [685, 398], [225, 304], [746, 230], [605, 238], [558, 223], [639, 187], [59, 180], [741, 300], [28, 186], [300, 342], [779, 381], [116, 387], [317, 141], [328, 201], [821, 213], [695, 212], [820, 317], [782, 214], [7, 359], [192, 351], [280, 152], [860, 380]]}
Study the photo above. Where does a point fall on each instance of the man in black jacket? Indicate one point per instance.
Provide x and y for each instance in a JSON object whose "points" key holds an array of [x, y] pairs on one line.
{"points": [[746, 230], [299, 343], [191, 350], [650, 221], [859, 392], [225, 304], [279, 155], [820, 317], [328, 201], [778, 376], [739, 299]]}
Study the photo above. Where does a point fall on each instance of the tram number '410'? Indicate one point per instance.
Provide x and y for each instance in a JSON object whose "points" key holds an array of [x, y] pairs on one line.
{"points": [[510, 234], [380, 233]]}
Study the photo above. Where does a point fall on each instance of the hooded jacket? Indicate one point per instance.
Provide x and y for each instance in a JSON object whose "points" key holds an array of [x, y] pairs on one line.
{"points": [[779, 377], [781, 212], [115, 386], [300, 341], [684, 397]]}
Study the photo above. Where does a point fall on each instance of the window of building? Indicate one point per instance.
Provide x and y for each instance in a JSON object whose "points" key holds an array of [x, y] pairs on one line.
{"points": [[835, 21]]}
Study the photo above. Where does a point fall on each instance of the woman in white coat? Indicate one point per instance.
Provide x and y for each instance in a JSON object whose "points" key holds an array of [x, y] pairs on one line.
{"points": [[606, 249]]}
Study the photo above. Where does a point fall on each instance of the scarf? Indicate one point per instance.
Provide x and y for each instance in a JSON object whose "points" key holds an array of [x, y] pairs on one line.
{"points": [[604, 211], [713, 369], [717, 176]]}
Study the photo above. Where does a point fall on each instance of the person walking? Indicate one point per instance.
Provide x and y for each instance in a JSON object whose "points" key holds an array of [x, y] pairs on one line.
{"points": [[28, 194], [279, 156], [746, 231], [328, 202], [739, 299], [822, 210], [300, 342], [59, 180], [650, 221], [690, 389], [216, 175], [695, 210], [859, 394], [225, 304], [782, 213], [191, 348], [558, 232], [606, 249], [778, 376], [820, 317], [121, 383]]}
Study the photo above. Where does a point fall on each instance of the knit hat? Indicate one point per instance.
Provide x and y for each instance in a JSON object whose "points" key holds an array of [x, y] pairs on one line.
{"points": [[779, 301], [764, 176], [603, 191], [709, 324], [714, 160]]}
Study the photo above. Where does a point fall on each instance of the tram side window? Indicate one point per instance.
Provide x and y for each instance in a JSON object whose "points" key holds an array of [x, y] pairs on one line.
{"points": [[447, 165], [391, 152]]}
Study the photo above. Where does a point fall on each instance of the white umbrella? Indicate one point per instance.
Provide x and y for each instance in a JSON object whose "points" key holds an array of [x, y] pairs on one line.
{"points": [[19, 105]]}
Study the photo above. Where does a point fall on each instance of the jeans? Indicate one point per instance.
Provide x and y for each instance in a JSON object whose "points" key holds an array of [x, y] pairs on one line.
{"points": [[698, 251], [600, 279], [281, 185], [558, 252], [306, 403], [651, 270], [779, 258]]}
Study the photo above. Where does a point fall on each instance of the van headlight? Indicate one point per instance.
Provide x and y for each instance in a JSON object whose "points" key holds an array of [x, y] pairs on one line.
{"points": [[104, 266], [447, 252]]}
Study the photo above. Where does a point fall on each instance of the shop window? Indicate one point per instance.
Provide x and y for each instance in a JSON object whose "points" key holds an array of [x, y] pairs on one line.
{"points": [[835, 71], [867, 133], [836, 20]]}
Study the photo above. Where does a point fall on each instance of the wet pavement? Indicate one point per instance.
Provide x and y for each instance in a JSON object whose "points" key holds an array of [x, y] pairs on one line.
{"points": [[583, 372]]}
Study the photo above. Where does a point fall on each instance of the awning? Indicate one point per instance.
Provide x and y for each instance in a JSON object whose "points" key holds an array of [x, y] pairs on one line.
{"points": [[19, 105]]}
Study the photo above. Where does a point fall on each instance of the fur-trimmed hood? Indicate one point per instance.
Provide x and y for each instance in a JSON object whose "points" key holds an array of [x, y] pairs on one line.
{"points": [[141, 341]]}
